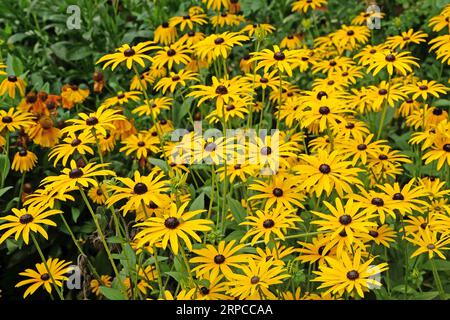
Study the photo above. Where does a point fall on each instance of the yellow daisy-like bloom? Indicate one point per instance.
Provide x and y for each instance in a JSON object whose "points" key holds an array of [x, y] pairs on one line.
{"points": [[440, 22], [392, 60], [45, 198], [350, 37], [280, 192], [225, 91], [73, 94], [122, 98], [406, 197], [291, 42], [24, 161], [315, 251], [440, 151], [218, 261], [255, 280], [72, 143], [173, 226], [174, 54], [325, 172], [98, 194], [44, 132], [75, 177], [282, 60], [98, 122], [272, 223], [191, 38], [226, 19], [258, 29], [188, 21], [214, 290], [176, 79], [430, 242], [346, 218], [155, 106], [425, 88], [217, 5], [15, 120], [305, 5], [365, 16], [10, 84], [235, 171], [383, 235], [165, 34], [95, 284], [360, 149], [218, 45], [26, 220], [129, 55], [375, 202], [350, 275], [41, 277], [236, 109], [406, 38], [143, 190], [141, 144]]}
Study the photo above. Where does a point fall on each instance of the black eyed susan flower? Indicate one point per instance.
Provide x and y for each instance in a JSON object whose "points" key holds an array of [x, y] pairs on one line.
{"points": [[95, 284], [41, 278], [291, 42], [350, 37], [360, 149], [175, 227], [401, 62], [238, 171], [348, 218], [279, 192], [218, 45], [406, 38], [142, 190], [426, 88], [305, 5], [75, 177], [10, 84], [226, 19], [165, 34], [383, 235], [175, 80], [349, 275], [278, 59], [98, 122], [129, 55], [155, 106], [188, 20], [172, 55], [366, 15], [217, 5], [24, 161], [12, 120], [219, 261], [214, 289], [429, 242], [275, 254], [315, 251], [406, 197], [256, 279], [72, 143], [236, 109], [440, 22], [141, 144], [325, 172], [98, 194], [72, 94], [270, 224], [375, 202], [26, 220], [332, 65], [43, 132], [258, 29], [45, 198], [440, 151], [122, 98], [191, 38]]}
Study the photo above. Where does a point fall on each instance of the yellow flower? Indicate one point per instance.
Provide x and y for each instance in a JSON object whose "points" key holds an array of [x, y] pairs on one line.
{"points": [[129, 55], [282, 60], [392, 60], [429, 242], [10, 84], [24, 161]]}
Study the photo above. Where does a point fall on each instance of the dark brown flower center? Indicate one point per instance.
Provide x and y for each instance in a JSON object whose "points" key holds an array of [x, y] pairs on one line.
{"points": [[437, 111], [254, 280], [91, 121], [362, 147], [324, 110], [129, 52], [204, 290], [398, 196], [23, 153], [219, 40], [263, 80], [321, 94], [277, 192], [141, 144], [219, 259], [176, 78], [431, 246], [373, 233], [325, 168], [165, 24], [230, 107], [382, 92], [140, 188], [446, 147], [350, 33], [7, 119], [75, 142], [269, 223], [221, 89], [12, 78], [377, 202], [26, 218], [279, 56], [171, 52], [210, 146], [121, 96], [75, 173], [345, 219], [390, 57], [45, 277], [171, 223], [423, 87], [352, 275], [265, 151], [153, 205], [372, 51]]}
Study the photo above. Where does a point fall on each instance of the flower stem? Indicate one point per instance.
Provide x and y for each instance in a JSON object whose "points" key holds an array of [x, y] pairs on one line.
{"points": [[385, 107], [158, 270], [437, 279], [36, 244]]}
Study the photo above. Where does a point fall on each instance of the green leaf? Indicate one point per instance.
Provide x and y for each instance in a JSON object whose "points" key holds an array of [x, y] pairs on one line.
{"points": [[159, 163], [112, 293], [5, 165], [75, 213], [441, 265], [14, 65], [237, 210], [425, 295], [198, 203], [4, 190]]}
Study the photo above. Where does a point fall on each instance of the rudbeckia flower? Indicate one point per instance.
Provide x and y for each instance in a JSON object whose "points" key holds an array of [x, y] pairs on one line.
{"points": [[24, 161], [10, 84], [129, 55]]}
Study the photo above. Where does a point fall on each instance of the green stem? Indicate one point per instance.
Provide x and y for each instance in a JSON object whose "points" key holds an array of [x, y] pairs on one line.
{"points": [[46, 266], [22, 180], [159, 276], [437, 279], [385, 108]]}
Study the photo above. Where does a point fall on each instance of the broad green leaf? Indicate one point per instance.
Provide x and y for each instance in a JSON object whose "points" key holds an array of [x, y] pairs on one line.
{"points": [[112, 293]]}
